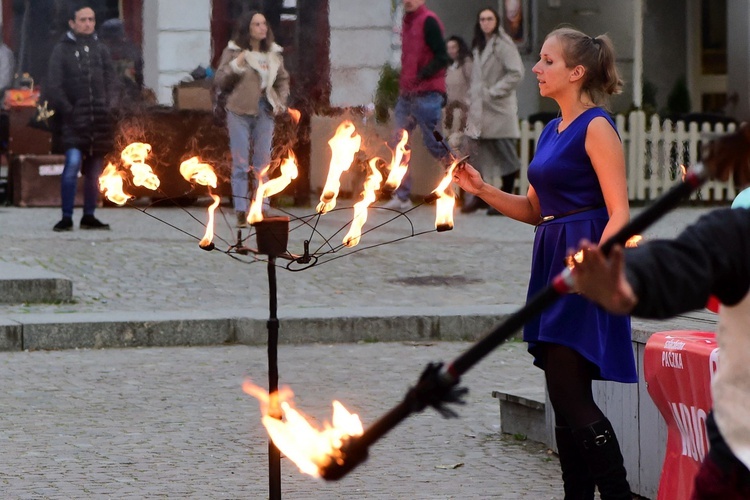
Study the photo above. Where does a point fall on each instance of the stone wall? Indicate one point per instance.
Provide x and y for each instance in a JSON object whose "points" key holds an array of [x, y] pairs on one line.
{"points": [[176, 39]]}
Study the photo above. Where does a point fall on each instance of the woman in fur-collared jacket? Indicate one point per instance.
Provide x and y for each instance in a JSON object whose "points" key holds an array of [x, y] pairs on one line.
{"points": [[252, 75]]}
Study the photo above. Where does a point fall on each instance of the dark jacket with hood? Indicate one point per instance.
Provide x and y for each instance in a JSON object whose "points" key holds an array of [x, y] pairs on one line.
{"points": [[82, 89]]}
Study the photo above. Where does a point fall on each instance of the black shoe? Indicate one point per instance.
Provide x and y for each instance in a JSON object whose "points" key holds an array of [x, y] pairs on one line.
{"points": [[91, 222], [66, 224], [493, 211]]}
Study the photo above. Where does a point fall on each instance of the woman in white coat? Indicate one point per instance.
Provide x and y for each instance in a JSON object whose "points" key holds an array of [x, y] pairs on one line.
{"points": [[252, 74], [493, 106]]}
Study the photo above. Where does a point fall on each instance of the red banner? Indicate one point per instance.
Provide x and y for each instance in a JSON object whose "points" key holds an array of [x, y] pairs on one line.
{"points": [[678, 368]]}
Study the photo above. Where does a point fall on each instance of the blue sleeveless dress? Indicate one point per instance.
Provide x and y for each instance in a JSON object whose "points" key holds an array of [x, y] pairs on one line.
{"points": [[565, 181]]}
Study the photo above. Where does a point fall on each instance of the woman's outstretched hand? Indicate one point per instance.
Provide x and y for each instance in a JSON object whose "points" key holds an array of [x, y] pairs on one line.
{"points": [[468, 178]]}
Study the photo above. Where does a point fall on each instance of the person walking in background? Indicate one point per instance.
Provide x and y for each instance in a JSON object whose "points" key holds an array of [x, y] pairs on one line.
{"points": [[665, 278], [493, 106], [578, 189], [421, 87], [82, 89], [457, 81], [126, 59], [251, 72]]}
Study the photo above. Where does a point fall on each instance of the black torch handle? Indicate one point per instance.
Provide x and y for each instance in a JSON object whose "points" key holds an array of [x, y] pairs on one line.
{"points": [[561, 284]]}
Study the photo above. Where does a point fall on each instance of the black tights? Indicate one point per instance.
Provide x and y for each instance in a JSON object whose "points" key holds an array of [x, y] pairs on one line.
{"points": [[569, 376]]}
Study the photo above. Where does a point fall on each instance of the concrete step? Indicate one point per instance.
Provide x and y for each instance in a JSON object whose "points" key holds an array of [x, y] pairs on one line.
{"points": [[522, 412], [20, 284], [52, 331]]}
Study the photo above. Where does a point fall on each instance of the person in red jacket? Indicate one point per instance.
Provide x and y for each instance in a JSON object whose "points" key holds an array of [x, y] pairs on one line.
{"points": [[424, 59]]}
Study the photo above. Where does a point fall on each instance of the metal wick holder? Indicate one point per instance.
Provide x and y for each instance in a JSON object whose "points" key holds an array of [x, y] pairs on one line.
{"points": [[272, 235]]}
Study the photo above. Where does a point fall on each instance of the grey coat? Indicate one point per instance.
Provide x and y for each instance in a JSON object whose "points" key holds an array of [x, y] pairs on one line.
{"points": [[493, 106]]}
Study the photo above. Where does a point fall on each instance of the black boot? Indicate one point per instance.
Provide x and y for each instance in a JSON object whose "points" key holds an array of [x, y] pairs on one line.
{"points": [[599, 446], [577, 480]]}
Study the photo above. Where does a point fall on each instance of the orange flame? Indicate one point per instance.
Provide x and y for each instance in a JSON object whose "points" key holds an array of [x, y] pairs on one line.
{"points": [[633, 241], [683, 172], [209, 235], [193, 170], [372, 184], [344, 145], [309, 448], [135, 152], [201, 173], [110, 183], [144, 176], [577, 257], [134, 157], [295, 114], [274, 186], [399, 162], [445, 201]]}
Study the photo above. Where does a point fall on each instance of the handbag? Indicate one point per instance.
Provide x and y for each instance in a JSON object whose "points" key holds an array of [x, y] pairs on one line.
{"points": [[22, 94]]}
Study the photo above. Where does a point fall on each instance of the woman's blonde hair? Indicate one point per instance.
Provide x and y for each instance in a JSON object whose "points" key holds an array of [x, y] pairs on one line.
{"points": [[597, 56]]}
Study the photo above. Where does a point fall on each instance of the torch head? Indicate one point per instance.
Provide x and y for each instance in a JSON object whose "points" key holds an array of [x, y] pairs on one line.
{"points": [[353, 452]]}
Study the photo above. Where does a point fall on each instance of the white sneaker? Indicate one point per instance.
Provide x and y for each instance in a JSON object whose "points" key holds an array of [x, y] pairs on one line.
{"points": [[398, 204]]}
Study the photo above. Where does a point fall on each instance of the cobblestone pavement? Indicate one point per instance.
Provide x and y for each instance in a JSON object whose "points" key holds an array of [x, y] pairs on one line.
{"points": [[151, 261], [174, 422]]}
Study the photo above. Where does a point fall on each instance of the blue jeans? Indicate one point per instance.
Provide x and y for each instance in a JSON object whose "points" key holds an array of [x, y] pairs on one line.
{"points": [[91, 167], [248, 132], [425, 110]]}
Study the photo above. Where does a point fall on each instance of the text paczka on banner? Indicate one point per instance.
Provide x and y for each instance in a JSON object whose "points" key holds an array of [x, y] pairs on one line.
{"points": [[678, 368]]}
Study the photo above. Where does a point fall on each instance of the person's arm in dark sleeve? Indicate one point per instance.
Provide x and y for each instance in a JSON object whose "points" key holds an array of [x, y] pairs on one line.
{"points": [[433, 36], [711, 256], [55, 91]]}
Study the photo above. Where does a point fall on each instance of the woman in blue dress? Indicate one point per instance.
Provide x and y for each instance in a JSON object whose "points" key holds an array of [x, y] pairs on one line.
{"points": [[578, 189]]}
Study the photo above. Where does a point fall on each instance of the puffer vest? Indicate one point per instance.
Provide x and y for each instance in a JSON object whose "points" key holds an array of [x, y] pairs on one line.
{"points": [[415, 54]]}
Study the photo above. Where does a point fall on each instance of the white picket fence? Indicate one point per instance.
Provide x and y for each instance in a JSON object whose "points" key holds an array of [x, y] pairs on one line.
{"points": [[654, 155]]}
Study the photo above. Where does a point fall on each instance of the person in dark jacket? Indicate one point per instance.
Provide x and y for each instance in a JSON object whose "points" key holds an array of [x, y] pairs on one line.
{"points": [[82, 88]]}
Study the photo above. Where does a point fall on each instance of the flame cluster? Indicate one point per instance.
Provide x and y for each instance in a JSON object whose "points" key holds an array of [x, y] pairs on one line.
{"points": [[345, 144]]}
